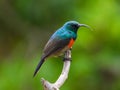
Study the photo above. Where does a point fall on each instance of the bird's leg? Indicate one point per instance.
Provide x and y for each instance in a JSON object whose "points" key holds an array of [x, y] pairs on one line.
{"points": [[66, 58]]}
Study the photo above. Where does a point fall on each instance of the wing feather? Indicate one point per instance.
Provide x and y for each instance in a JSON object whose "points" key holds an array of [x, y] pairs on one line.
{"points": [[54, 45]]}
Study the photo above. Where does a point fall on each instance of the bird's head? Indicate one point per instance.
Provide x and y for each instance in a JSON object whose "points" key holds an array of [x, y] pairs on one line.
{"points": [[74, 25]]}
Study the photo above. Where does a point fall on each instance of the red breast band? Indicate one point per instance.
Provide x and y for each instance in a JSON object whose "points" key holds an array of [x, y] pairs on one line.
{"points": [[71, 43]]}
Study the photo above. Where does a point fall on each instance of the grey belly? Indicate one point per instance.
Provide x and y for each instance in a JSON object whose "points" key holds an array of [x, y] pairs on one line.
{"points": [[60, 52]]}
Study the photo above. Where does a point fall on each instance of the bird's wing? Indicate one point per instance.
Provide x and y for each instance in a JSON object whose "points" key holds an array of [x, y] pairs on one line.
{"points": [[54, 45]]}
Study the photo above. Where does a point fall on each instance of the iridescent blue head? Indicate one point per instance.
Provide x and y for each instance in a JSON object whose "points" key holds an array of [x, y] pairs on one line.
{"points": [[74, 25]]}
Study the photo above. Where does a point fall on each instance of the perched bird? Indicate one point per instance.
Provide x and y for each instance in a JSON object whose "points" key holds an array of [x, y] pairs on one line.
{"points": [[60, 41]]}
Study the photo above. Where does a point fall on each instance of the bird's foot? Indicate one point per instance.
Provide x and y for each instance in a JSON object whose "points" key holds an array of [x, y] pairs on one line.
{"points": [[67, 59]]}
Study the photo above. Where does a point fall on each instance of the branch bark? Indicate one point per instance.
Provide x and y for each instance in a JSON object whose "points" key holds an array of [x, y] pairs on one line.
{"points": [[63, 76]]}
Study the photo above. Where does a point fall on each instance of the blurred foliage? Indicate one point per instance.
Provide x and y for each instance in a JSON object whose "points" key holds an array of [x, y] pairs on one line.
{"points": [[26, 25]]}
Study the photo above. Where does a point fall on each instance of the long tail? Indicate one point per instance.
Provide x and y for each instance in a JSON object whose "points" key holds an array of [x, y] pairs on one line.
{"points": [[39, 65]]}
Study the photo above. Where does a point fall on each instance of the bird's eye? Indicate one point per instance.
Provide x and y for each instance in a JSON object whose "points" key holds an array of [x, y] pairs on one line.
{"points": [[74, 25]]}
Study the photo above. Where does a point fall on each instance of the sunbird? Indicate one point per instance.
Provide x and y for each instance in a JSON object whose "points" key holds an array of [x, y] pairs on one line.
{"points": [[61, 41]]}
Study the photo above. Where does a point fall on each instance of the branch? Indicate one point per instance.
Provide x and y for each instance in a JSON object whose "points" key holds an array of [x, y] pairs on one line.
{"points": [[63, 76]]}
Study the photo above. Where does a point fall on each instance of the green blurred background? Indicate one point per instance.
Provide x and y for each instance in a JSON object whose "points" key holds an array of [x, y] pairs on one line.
{"points": [[26, 25]]}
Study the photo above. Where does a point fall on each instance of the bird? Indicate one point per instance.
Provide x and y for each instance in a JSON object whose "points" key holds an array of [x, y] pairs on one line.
{"points": [[61, 41]]}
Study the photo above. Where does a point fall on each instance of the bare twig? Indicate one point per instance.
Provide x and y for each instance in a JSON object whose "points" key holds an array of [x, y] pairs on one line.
{"points": [[63, 76]]}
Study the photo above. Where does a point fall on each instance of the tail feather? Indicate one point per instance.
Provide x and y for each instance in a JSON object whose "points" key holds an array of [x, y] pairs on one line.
{"points": [[38, 66]]}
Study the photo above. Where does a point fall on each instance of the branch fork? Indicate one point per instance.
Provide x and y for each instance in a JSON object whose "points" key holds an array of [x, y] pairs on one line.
{"points": [[63, 76]]}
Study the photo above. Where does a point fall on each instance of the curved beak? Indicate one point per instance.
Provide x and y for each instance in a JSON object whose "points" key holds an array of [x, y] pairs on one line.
{"points": [[84, 25]]}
